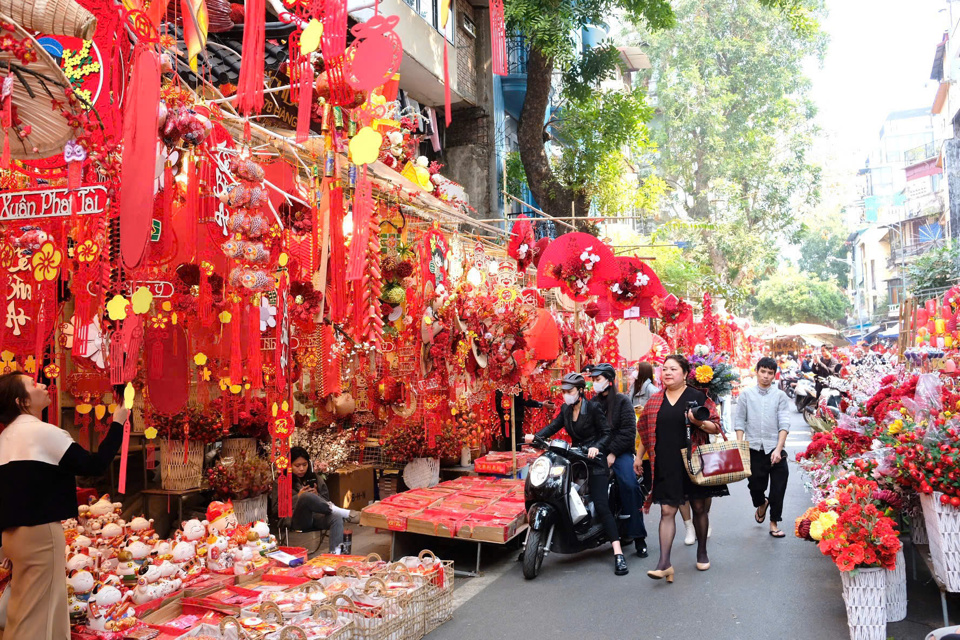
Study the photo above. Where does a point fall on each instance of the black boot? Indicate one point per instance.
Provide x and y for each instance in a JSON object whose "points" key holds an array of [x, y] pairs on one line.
{"points": [[620, 565], [642, 547]]}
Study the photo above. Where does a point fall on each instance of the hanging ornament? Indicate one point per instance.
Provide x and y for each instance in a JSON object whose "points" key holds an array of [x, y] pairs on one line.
{"points": [[375, 54], [250, 83], [498, 38]]}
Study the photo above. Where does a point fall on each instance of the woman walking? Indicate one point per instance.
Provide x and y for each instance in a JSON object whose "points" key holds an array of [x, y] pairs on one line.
{"points": [[644, 386], [42, 462], [663, 435]]}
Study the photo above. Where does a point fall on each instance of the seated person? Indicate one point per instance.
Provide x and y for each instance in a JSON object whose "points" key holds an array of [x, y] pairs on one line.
{"points": [[312, 508]]}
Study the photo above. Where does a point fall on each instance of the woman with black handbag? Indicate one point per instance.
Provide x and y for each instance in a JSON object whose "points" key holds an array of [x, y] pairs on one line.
{"points": [[663, 435]]}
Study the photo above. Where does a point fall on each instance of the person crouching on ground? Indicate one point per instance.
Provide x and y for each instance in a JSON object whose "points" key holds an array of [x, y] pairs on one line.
{"points": [[312, 508], [622, 421], [763, 419], [587, 427]]}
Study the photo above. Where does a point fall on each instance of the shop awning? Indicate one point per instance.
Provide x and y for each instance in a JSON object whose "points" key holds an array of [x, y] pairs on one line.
{"points": [[893, 332]]}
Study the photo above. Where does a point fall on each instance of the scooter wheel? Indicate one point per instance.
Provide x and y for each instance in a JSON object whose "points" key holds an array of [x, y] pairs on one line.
{"points": [[533, 553]]}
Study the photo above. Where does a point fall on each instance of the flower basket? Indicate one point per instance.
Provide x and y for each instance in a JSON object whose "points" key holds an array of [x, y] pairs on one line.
{"points": [[943, 531], [175, 474], [251, 509], [233, 446], [897, 591], [864, 594], [918, 525]]}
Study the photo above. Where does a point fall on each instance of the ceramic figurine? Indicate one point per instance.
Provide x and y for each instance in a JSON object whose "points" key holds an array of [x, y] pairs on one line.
{"points": [[267, 540], [79, 562], [221, 518], [109, 610], [218, 558]]}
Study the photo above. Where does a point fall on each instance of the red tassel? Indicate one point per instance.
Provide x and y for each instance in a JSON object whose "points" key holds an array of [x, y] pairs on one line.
{"points": [[168, 188], [446, 82], [53, 411], [5, 158], [498, 37], [338, 257], [362, 205], [305, 101], [285, 495], [124, 454], [246, 130], [186, 439], [282, 352], [255, 365], [116, 359], [139, 157], [250, 84], [205, 300], [74, 177], [191, 210], [236, 363]]}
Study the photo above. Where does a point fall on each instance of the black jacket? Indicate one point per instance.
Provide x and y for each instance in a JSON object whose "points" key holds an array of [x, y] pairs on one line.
{"points": [[521, 403], [591, 430], [622, 420]]}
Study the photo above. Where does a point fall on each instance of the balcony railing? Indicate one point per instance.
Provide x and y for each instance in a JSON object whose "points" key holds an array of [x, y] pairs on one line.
{"points": [[517, 52], [899, 254], [919, 154]]}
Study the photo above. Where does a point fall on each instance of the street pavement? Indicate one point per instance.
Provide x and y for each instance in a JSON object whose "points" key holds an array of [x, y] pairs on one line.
{"points": [[758, 587]]}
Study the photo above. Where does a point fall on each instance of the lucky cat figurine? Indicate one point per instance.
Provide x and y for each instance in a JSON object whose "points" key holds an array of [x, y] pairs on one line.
{"points": [[109, 609]]}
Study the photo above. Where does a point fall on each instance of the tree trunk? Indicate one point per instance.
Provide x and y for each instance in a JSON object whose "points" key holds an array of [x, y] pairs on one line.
{"points": [[551, 196]]}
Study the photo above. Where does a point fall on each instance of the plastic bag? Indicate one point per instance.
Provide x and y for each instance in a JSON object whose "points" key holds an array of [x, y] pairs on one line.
{"points": [[928, 394], [850, 423]]}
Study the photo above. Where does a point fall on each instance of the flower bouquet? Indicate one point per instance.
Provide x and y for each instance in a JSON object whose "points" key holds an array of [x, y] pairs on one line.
{"points": [[861, 536], [243, 477], [630, 286], [709, 373]]}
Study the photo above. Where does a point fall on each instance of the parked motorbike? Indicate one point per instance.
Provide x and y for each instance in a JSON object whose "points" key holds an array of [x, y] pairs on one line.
{"points": [[560, 512], [827, 411], [788, 383], [805, 392]]}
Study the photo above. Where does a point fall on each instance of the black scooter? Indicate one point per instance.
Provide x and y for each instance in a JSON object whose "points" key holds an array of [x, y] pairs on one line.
{"points": [[559, 509]]}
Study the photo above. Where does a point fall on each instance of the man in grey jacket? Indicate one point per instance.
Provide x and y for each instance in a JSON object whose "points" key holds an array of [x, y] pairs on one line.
{"points": [[763, 419]]}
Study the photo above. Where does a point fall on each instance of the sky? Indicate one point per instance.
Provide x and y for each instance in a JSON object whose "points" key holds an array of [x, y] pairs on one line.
{"points": [[878, 60]]}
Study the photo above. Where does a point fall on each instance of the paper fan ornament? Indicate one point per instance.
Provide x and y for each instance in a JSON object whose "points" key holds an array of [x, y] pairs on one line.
{"points": [[579, 264], [659, 350], [634, 340], [522, 245], [30, 94], [636, 281]]}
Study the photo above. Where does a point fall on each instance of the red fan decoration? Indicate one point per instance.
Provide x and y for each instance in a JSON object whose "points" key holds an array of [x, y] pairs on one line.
{"points": [[658, 351], [522, 246], [577, 263], [635, 282]]}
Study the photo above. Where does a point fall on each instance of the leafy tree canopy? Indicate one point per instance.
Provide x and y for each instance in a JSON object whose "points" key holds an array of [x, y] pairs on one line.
{"points": [[823, 251], [934, 269], [790, 296]]}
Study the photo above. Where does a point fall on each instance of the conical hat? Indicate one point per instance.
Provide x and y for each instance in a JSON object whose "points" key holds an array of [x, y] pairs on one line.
{"points": [[44, 80], [51, 17]]}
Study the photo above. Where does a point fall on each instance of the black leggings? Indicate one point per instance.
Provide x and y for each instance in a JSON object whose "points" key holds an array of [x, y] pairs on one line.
{"points": [[598, 493]]}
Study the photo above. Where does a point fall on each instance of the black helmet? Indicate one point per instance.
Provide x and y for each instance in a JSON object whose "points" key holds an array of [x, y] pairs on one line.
{"points": [[605, 370], [573, 381]]}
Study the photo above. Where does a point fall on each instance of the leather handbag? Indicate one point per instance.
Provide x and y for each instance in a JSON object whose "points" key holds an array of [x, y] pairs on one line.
{"points": [[719, 463]]}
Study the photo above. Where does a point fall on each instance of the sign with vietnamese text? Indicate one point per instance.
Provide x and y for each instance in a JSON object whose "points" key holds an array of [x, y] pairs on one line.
{"points": [[52, 203]]}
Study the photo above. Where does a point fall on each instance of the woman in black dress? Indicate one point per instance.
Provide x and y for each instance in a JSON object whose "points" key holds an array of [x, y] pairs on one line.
{"points": [[663, 435]]}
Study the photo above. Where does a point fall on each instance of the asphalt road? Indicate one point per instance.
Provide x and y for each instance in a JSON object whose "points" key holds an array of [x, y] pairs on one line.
{"points": [[758, 588]]}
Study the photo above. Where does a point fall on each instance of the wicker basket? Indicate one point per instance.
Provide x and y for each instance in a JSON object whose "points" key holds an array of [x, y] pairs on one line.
{"points": [[439, 605], [233, 446], [296, 631], [383, 622], [251, 509], [918, 525], [175, 474], [412, 601], [864, 593], [897, 590], [421, 473], [943, 531], [51, 17]]}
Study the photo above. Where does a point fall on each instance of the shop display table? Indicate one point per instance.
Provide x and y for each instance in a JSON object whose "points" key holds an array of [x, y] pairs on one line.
{"points": [[473, 509]]}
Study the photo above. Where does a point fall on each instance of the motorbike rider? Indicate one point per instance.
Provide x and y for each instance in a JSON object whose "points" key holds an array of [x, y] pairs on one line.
{"points": [[824, 366], [622, 421], [587, 427]]}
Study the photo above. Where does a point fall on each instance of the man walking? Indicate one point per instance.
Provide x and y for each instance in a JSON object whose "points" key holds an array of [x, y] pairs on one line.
{"points": [[763, 419]]}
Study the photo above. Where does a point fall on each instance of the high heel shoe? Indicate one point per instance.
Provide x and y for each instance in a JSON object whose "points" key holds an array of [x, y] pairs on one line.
{"points": [[661, 574], [703, 566]]}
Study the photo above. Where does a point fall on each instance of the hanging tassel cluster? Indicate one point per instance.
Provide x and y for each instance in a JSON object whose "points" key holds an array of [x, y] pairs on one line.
{"points": [[362, 206], [333, 43], [498, 37], [250, 84], [371, 326], [6, 117], [338, 257], [304, 97], [255, 360], [236, 355]]}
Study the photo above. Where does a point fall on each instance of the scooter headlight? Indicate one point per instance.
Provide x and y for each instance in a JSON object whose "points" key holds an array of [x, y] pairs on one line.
{"points": [[539, 471]]}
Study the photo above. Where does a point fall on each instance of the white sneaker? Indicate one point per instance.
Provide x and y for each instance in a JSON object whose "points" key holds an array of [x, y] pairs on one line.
{"points": [[691, 535]]}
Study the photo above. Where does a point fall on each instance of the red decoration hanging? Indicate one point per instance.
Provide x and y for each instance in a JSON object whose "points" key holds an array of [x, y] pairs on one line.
{"points": [[250, 84], [337, 295], [304, 99], [139, 156], [362, 208], [521, 247], [281, 428], [236, 363], [376, 53], [255, 364], [333, 42], [281, 353], [498, 38]]}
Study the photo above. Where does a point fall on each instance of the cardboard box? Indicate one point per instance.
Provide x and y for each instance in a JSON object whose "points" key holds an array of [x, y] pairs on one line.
{"points": [[351, 488], [489, 528]]}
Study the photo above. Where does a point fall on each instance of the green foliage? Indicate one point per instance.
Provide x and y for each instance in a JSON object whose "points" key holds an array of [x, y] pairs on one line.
{"points": [[599, 134], [516, 177], [734, 127], [934, 269], [823, 251], [790, 296], [595, 65]]}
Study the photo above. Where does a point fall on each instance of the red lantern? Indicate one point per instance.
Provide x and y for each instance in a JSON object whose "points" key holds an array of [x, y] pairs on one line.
{"points": [[931, 326], [946, 312], [922, 317], [931, 306]]}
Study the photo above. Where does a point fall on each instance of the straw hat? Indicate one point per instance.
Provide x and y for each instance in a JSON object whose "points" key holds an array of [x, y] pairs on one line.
{"points": [[49, 129], [51, 17]]}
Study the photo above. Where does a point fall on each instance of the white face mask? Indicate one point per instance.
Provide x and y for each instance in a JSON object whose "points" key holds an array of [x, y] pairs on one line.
{"points": [[571, 398], [600, 385]]}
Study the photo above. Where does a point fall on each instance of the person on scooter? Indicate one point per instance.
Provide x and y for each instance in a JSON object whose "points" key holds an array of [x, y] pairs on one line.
{"points": [[587, 427], [824, 366], [622, 421]]}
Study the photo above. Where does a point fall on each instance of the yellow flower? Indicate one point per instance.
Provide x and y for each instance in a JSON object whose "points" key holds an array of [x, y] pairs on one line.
{"points": [[225, 317], [200, 359], [704, 374], [117, 308], [46, 263], [88, 251], [816, 530], [895, 427], [150, 433]]}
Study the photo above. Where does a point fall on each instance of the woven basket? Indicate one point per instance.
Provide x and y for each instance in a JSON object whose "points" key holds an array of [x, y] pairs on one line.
{"points": [[412, 601], [439, 605], [864, 593], [897, 590], [371, 623], [251, 509], [233, 446], [175, 474], [51, 17], [943, 531], [421, 473], [918, 525]]}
